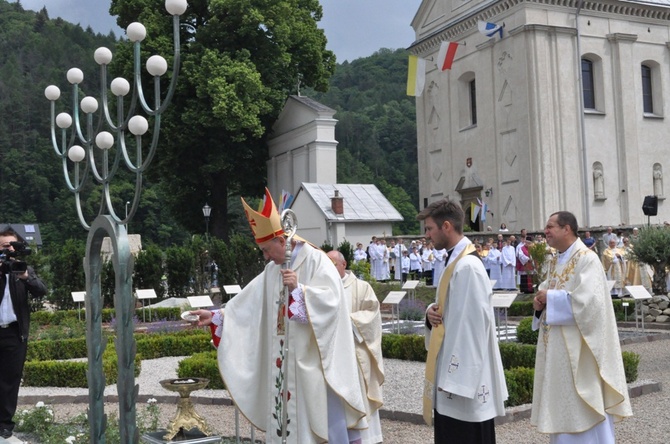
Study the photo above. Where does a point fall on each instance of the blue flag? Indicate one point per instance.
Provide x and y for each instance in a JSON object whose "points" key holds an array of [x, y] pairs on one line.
{"points": [[490, 29]]}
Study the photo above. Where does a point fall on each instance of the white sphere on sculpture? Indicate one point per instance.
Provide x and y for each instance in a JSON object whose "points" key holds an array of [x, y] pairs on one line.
{"points": [[76, 153], [75, 76], [102, 56], [120, 86], [89, 104], [104, 140], [63, 120], [175, 7], [136, 32], [52, 92], [138, 125], [157, 65]]}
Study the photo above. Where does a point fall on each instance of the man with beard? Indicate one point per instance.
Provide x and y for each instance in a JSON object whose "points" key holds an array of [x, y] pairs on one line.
{"points": [[464, 388]]}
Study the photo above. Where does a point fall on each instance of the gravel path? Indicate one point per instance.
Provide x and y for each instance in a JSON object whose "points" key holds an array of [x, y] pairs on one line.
{"points": [[402, 396]]}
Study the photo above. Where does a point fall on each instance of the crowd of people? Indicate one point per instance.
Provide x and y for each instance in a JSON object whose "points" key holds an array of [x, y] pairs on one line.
{"points": [[419, 260], [506, 258]]}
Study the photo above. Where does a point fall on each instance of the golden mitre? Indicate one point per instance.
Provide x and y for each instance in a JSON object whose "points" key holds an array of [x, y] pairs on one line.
{"points": [[266, 222]]}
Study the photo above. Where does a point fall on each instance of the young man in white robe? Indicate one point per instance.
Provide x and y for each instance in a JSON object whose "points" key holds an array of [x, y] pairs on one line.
{"points": [[324, 391], [427, 261], [494, 259], [398, 250], [439, 265], [508, 262], [464, 388], [580, 387], [359, 253], [366, 322]]}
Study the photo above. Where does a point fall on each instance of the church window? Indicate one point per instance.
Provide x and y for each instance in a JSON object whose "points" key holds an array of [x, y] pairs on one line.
{"points": [[588, 84], [473, 103], [467, 101], [647, 98]]}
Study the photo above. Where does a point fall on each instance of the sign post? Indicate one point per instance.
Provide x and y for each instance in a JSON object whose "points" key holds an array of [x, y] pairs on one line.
{"points": [[393, 299]]}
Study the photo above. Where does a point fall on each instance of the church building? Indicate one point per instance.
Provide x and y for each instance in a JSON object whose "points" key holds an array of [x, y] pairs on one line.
{"points": [[563, 109]]}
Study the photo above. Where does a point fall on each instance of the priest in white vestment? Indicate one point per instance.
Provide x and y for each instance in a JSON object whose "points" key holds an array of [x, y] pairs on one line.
{"points": [[614, 263], [464, 388], [508, 262], [580, 388], [494, 260], [439, 265], [398, 249], [325, 395], [366, 321]]}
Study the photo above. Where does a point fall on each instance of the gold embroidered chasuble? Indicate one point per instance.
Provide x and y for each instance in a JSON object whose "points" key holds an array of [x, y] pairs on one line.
{"points": [[321, 352], [579, 373], [615, 267]]}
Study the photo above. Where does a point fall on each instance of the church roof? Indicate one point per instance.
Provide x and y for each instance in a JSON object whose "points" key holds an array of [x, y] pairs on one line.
{"points": [[29, 233], [362, 202], [311, 103]]}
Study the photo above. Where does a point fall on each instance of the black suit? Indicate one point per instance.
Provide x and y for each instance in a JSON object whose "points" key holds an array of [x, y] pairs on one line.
{"points": [[14, 340]]}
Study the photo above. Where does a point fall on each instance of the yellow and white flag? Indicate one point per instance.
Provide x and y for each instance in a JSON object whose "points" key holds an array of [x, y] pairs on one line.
{"points": [[416, 76]]}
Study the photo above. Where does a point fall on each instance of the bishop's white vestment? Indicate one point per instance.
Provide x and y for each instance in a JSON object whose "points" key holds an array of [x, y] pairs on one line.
{"points": [[366, 322], [321, 352], [579, 374]]}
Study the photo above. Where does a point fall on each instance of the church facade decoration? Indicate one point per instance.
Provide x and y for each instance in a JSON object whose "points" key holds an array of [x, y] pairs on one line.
{"points": [[565, 112]]}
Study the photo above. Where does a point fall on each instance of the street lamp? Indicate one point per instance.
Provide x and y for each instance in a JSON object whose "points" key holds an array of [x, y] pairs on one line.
{"points": [[127, 221], [81, 161], [206, 211]]}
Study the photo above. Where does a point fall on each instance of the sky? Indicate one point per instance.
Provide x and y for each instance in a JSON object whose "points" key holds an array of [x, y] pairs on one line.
{"points": [[354, 28]]}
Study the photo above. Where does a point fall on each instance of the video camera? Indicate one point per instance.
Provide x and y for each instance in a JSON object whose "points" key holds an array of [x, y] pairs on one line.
{"points": [[9, 261]]}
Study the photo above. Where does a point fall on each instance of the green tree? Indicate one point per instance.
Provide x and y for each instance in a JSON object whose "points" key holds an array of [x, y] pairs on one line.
{"points": [[180, 270], [67, 273], [653, 248], [241, 59], [148, 271]]}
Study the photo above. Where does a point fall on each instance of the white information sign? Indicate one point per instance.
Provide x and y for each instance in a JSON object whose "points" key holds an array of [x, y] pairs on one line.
{"points": [[503, 300], [393, 299], [638, 292], [410, 285], [200, 301], [148, 293], [232, 289], [78, 296]]}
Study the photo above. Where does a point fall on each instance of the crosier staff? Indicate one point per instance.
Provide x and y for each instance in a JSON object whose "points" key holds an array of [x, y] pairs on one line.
{"points": [[289, 223]]}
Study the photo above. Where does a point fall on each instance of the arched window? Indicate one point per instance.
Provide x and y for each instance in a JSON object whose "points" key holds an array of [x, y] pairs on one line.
{"points": [[647, 92], [588, 84]]}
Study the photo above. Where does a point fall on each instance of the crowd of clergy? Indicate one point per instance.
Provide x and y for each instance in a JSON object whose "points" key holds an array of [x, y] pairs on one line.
{"points": [[507, 260]]}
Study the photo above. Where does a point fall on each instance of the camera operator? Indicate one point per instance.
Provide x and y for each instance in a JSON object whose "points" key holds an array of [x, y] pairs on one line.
{"points": [[16, 282]]}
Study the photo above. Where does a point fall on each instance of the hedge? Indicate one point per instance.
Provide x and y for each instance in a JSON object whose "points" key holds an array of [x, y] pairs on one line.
{"points": [[42, 370], [72, 373], [57, 317], [202, 365]]}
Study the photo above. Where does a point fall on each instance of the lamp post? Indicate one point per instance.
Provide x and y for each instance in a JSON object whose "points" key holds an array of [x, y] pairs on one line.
{"points": [[127, 223], [110, 136], [206, 211]]}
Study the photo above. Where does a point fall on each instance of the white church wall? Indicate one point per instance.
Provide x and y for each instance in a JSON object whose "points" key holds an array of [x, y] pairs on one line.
{"points": [[311, 222], [527, 144]]}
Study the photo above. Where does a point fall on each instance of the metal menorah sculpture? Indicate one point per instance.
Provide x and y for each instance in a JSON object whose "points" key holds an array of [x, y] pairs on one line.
{"points": [[102, 166]]}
